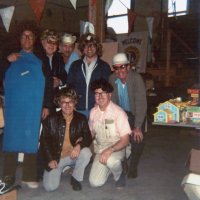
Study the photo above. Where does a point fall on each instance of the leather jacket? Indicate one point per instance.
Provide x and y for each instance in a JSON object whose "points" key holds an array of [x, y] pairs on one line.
{"points": [[53, 134]]}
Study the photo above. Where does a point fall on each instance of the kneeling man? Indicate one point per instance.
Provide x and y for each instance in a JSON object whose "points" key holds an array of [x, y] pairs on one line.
{"points": [[65, 141], [110, 129]]}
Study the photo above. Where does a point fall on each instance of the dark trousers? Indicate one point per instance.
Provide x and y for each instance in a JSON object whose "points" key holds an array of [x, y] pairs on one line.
{"points": [[136, 148], [28, 166]]}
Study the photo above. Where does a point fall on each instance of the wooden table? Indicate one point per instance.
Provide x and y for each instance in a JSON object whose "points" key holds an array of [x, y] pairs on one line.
{"points": [[187, 125]]}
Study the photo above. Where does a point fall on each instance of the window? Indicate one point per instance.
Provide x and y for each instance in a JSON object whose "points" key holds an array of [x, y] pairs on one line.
{"points": [[177, 7], [118, 16]]}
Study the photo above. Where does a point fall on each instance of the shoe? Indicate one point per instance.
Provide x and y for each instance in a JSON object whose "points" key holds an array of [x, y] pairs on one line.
{"points": [[121, 182], [76, 185], [32, 185], [7, 185], [132, 173]]}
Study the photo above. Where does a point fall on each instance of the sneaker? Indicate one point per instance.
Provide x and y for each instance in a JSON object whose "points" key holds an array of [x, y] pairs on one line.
{"points": [[32, 185], [7, 185], [121, 182], [76, 185]]}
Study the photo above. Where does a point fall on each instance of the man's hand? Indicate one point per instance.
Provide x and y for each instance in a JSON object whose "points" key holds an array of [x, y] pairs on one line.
{"points": [[56, 82], [45, 113], [13, 57], [137, 135], [53, 164], [105, 154], [75, 151]]}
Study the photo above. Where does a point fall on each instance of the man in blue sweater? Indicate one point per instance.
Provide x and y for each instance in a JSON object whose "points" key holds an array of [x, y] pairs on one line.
{"points": [[87, 69]]}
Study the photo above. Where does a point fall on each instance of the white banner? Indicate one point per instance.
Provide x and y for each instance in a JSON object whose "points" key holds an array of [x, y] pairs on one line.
{"points": [[135, 45], [6, 16], [73, 2], [150, 25]]}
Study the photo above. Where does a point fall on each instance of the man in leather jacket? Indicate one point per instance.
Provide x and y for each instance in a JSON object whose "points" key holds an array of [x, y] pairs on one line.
{"points": [[65, 141]]}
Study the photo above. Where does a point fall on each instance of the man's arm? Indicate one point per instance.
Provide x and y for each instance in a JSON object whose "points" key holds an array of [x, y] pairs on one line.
{"points": [[48, 91], [121, 144], [140, 101], [46, 141]]}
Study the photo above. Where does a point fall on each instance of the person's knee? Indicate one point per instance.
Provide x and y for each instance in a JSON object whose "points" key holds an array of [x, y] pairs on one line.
{"points": [[96, 183], [114, 163], [86, 154], [49, 187]]}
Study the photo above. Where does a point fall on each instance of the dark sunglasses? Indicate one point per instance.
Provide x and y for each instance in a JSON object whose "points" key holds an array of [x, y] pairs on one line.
{"points": [[119, 67], [52, 42]]}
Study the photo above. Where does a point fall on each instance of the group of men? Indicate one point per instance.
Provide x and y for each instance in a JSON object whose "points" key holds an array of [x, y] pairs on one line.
{"points": [[114, 103]]}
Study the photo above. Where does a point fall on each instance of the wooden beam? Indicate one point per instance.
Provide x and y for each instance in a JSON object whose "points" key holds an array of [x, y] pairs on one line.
{"points": [[168, 58], [97, 17]]}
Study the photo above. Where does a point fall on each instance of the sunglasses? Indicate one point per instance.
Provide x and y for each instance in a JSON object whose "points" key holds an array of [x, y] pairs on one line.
{"points": [[52, 42], [29, 37], [119, 67]]}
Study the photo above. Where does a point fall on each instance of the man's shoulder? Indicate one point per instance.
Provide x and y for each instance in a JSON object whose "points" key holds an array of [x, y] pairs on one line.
{"points": [[103, 63], [134, 74], [116, 108], [55, 115], [79, 115], [94, 110], [77, 63]]}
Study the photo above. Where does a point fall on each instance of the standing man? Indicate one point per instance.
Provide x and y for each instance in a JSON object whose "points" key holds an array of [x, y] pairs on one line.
{"points": [[87, 69], [130, 94], [66, 47], [53, 60], [110, 129], [28, 89], [65, 141]]}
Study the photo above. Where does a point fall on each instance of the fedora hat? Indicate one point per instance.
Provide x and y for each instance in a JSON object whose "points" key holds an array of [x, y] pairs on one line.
{"points": [[120, 58]]}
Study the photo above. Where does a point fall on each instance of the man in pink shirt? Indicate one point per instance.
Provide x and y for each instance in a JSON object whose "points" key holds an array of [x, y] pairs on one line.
{"points": [[110, 129]]}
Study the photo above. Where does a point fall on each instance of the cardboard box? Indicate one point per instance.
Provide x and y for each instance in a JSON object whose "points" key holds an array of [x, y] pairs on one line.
{"points": [[12, 195], [193, 162]]}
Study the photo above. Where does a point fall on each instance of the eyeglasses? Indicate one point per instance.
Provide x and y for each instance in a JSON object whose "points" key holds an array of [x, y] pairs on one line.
{"points": [[70, 103], [90, 46], [98, 94], [29, 37], [51, 42], [119, 67]]}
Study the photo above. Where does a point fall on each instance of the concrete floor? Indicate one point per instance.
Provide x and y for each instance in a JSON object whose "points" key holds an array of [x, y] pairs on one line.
{"points": [[161, 171]]}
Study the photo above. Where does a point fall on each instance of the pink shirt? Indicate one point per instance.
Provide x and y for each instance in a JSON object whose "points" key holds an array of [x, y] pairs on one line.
{"points": [[108, 126]]}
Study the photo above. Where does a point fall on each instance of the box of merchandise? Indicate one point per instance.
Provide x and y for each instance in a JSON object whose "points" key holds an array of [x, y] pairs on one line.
{"points": [[193, 161]]}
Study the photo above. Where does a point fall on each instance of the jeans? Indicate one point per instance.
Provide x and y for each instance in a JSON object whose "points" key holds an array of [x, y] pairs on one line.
{"points": [[51, 179]]}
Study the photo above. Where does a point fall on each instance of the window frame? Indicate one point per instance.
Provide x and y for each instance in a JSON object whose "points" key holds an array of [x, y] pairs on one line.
{"points": [[132, 5], [179, 13]]}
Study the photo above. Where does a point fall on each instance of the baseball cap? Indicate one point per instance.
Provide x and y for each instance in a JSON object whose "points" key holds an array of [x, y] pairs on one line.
{"points": [[68, 39]]}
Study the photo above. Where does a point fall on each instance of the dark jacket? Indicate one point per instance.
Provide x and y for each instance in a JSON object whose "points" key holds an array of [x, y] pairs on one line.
{"points": [[58, 65], [76, 79], [53, 134], [57, 70]]}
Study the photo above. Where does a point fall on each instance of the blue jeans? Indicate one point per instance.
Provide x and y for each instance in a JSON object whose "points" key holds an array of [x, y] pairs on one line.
{"points": [[51, 179]]}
